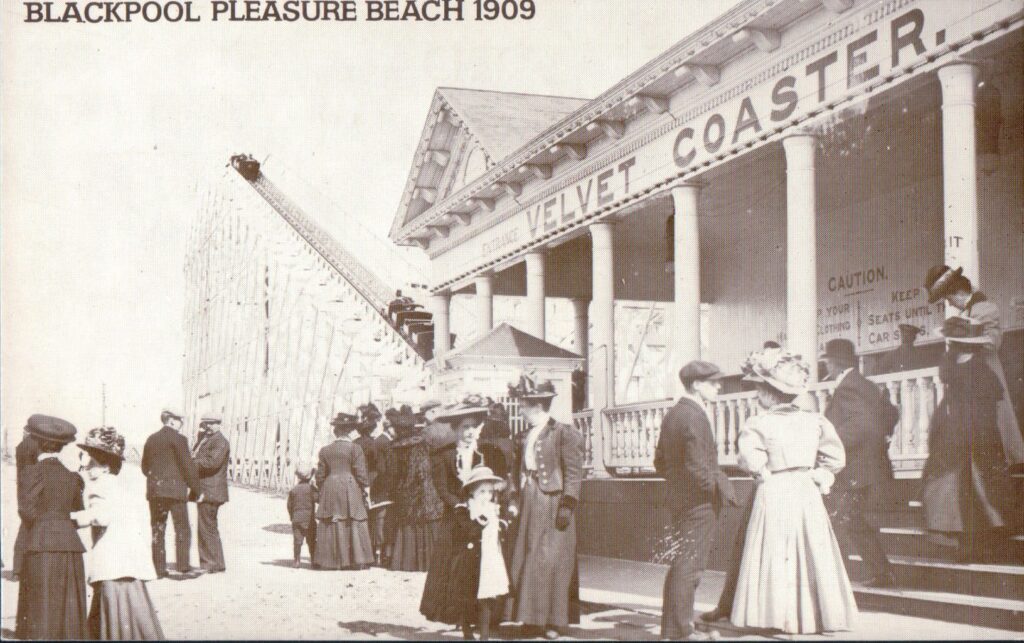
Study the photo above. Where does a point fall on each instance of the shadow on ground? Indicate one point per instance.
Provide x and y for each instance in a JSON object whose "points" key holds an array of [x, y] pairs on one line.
{"points": [[288, 562], [601, 625], [279, 528]]}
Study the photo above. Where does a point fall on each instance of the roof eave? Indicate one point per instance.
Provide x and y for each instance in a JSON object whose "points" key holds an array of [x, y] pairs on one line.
{"points": [[722, 27]]}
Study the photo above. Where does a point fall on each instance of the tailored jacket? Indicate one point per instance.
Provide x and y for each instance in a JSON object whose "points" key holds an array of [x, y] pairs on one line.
{"points": [[559, 456], [211, 458], [26, 454], [341, 477], [856, 412], [50, 494], [687, 457], [301, 503], [167, 463]]}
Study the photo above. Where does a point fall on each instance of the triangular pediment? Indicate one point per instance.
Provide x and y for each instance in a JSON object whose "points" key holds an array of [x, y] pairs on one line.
{"points": [[466, 132]]}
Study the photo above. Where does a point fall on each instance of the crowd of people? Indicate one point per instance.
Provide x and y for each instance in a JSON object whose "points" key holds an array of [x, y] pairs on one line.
{"points": [[491, 517], [447, 491], [819, 475]]}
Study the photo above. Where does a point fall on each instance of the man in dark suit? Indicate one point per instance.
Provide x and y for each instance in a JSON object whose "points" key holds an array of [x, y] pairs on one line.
{"points": [[170, 474], [695, 489], [211, 455], [857, 412], [25, 455]]}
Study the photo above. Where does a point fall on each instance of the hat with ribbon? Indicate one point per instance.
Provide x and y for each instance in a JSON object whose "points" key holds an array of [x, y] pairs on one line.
{"points": [[938, 281], [530, 386], [345, 420], [104, 439], [404, 418], [469, 406], [481, 474], [51, 428], [779, 369], [964, 331]]}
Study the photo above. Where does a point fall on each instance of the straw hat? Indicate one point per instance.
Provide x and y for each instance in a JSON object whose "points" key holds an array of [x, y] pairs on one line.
{"points": [[779, 369], [480, 475]]}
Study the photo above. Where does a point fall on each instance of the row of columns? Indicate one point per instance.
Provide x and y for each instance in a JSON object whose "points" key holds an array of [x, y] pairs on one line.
{"points": [[959, 82]]}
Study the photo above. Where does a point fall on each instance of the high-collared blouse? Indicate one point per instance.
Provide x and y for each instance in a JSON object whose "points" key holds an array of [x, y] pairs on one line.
{"points": [[530, 452], [786, 437]]}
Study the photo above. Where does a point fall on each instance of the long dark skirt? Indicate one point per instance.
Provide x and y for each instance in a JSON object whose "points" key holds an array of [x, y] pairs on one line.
{"points": [[435, 603], [51, 598], [545, 577], [121, 611], [343, 544], [414, 546]]}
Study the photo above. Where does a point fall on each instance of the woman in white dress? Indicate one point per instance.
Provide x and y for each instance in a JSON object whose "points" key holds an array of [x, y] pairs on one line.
{"points": [[792, 576]]}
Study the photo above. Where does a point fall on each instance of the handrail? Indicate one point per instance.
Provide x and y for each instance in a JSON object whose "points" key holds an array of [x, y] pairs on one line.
{"points": [[365, 282]]}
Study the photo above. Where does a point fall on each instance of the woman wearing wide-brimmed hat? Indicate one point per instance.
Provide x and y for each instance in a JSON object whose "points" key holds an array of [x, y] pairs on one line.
{"points": [[792, 577], [51, 597], [413, 520], [966, 489], [121, 560], [950, 284], [342, 532], [452, 465]]}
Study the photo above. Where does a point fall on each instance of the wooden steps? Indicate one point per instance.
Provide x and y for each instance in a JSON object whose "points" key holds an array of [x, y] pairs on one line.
{"points": [[996, 581], [984, 611]]}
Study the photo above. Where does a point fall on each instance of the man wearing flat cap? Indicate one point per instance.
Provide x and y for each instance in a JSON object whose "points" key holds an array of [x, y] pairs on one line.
{"points": [[859, 415], [170, 474], [695, 491], [211, 456]]}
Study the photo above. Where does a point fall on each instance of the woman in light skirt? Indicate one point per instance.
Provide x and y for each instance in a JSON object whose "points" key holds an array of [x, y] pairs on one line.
{"points": [[792, 576], [120, 561]]}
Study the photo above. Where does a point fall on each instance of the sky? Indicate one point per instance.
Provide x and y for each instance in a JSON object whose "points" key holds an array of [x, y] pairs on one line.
{"points": [[106, 130]]}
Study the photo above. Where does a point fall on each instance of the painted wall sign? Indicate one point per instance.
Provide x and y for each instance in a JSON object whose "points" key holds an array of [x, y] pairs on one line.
{"points": [[884, 44]]}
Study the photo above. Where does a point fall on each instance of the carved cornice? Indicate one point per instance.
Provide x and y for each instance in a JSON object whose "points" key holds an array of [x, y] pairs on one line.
{"points": [[723, 27]]}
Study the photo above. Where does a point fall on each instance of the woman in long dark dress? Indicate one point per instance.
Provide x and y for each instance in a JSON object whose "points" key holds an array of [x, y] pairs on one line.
{"points": [[452, 465], [967, 492], [51, 598], [414, 518], [343, 533]]}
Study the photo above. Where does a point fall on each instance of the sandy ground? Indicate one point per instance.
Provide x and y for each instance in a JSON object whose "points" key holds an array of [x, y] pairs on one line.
{"points": [[262, 597]]}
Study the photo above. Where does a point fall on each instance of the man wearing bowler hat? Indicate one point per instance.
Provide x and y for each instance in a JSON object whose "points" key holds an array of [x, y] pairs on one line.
{"points": [[857, 411], [170, 474], [211, 456], [695, 491]]}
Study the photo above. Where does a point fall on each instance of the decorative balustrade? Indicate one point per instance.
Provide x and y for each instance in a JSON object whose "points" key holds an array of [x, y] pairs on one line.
{"points": [[632, 431], [584, 422]]}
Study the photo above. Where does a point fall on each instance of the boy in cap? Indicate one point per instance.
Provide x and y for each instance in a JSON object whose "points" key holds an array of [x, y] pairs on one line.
{"points": [[695, 490], [301, 511]]}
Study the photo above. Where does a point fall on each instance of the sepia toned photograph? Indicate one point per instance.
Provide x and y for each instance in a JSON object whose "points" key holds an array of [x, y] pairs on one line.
{"points": [[444, 320]]}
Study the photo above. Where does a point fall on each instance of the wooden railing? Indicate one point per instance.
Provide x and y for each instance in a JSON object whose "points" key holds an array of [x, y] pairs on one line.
{"points": [[632, 431]]}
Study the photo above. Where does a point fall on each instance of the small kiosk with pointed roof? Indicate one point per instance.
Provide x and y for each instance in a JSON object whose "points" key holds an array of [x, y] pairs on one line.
{"points": [[488, 365]]}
